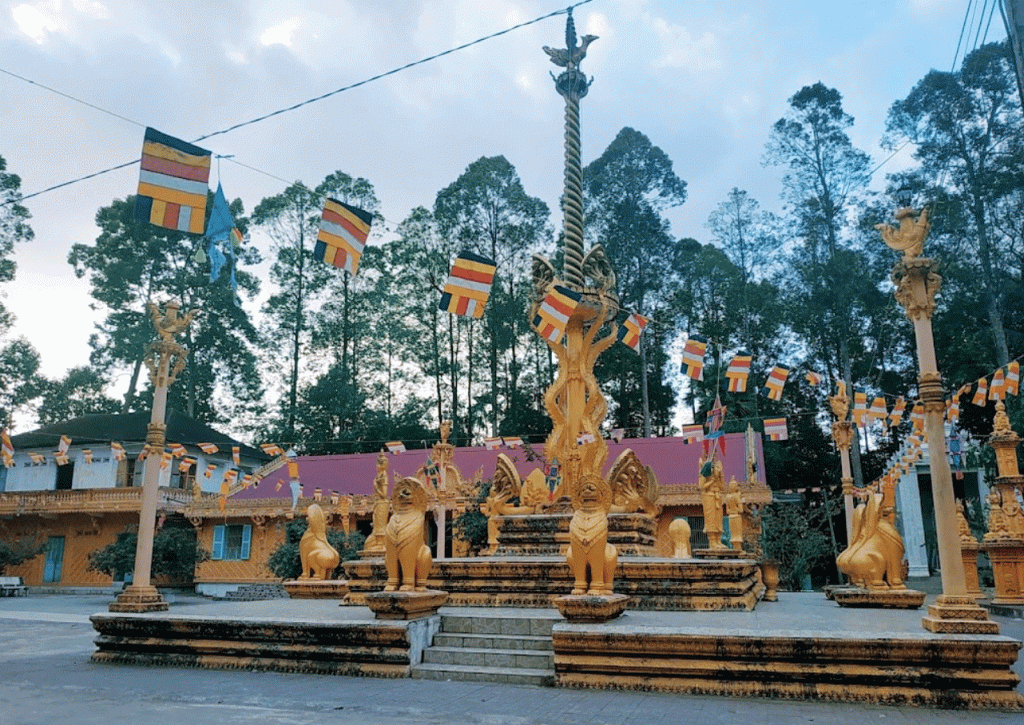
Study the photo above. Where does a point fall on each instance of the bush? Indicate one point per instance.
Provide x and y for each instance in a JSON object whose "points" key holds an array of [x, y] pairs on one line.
{"points": [[285, 561], [175, 554], [792, 534], [15, 552], [471, 525]]}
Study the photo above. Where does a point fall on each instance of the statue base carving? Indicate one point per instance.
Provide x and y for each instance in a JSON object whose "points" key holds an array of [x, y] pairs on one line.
{"points": [[958, 615], [1007, 557], [316, 588], [878, 598], [723, 553], [547, 534], [373, 553], [138, 600], [406, 605], [591, 609]]}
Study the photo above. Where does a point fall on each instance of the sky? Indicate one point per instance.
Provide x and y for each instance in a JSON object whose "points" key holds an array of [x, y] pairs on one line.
{"points": [[703, 80]]}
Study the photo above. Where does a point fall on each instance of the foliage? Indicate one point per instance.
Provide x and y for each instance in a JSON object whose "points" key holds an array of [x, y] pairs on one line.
{"points": [[16, 551], [793, 535], [175, 554], [471, 525], [285, 561], [14, 218], [80, 392]]}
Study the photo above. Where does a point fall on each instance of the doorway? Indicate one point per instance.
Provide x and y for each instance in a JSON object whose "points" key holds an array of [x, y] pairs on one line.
{"points": [[54, 559]]}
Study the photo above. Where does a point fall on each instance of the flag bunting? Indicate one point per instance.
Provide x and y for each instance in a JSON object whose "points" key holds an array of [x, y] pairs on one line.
{"points": [[468, 286], [738, 372], [693, 357], [342, 236], [630, 330], [554, 312], [775, 429], [775, 382], [173, 182]]}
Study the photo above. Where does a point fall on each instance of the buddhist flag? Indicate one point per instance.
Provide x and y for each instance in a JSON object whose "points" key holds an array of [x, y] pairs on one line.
{"points": [[878, 410], [1012, 378], [87, 455], [693, 357], [173, 182], [117, 452], [775, 429], [738, 372], [272, 449], [585, 438], [177, 450], [693, 433], [342, 236], [432, 472], [813, 378], [210, 468], [395, 447], [236, 455], [631, 329], [716, 416], [185, 464], [860, 405], [617, 434], [247, 480], [775, 382], [165, 460], [997, 391], [6, 450], [917, 417], [513, 442], [468, 286], [208, 448], [896, 414], [981, 394], [37, 457], [492, 444], [953, 410], [554, 312], [64, 445]]}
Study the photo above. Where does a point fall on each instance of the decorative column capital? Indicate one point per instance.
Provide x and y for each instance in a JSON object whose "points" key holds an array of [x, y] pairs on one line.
{"points": [[842, 434], [848, 486], [917, 282]]}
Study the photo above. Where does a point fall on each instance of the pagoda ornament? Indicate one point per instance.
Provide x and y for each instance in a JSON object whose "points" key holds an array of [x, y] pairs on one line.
{"points": [[1004, 542]]}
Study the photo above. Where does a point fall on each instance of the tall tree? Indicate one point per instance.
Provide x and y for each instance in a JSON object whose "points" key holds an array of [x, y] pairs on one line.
{"points": [[488, 211], [824, 179], [966, 129], [291, 220], [626, 190], [134, 262], [14, 226], [82, 391]]}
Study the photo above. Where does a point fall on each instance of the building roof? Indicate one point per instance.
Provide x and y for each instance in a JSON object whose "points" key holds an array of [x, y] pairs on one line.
{"points": [[674, 462], [103, 428]]}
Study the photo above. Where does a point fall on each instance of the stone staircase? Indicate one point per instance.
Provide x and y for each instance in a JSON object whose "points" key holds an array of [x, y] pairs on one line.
{"points": [[484, 646]]}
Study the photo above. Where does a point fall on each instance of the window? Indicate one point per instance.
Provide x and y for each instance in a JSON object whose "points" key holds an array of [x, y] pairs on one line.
{"points": [[231, 542]]}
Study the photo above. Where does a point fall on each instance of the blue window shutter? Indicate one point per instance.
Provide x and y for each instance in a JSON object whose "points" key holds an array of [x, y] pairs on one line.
{"points": [[218, 542], [246, 541]]}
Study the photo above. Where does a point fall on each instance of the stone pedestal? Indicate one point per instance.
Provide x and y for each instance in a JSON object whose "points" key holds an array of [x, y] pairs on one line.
{"points": [[139, 599], [588, 609], [406, 605], [316, 588], [958, 615], [718, 554], [969, 553], [878, 598], [548, 534], [1007, 557]]}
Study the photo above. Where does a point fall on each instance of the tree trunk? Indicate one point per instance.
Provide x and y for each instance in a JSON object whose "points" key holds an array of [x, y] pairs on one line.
{"points": [[293, 388]]}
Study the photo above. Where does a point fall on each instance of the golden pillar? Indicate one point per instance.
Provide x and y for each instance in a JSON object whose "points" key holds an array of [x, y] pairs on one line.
{"points": [[917, 282], [165, 360], [1004, 541]]}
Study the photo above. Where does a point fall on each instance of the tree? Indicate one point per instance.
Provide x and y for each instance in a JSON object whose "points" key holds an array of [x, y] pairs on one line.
{"points": [[175, 554], [16, 551], [486, 210], [285, 561], [134, 262], [793, 535], [966, 129], [824, 179], [14, 218], [291, 219], [625, 191], [80, 392]]}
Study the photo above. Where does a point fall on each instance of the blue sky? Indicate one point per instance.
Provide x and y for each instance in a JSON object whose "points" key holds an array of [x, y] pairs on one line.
{"points": [[703, 80]]}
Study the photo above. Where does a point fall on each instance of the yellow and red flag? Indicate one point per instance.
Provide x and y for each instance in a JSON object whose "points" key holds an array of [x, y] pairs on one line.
{"points": [[469, 285], [693, 357], [342, 235], [631, 329], [775, 382], [173, 182], [554, 312], [738, 372], [981, 394]]}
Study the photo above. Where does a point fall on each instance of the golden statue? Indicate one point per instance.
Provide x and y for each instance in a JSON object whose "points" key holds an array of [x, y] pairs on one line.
{"points": [[679, 532], [380, 481], [734, 507], [634, 486], [534, 493], [712, 491], [169, 324], [406, 556], [909, 238], [319, 559], [504, 487], [874, 559], [591, 558], [381, 505], [965, 528]]}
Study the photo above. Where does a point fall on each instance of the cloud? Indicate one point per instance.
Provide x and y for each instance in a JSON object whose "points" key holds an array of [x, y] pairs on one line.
{"points": [[280, 34], [39, 20]]}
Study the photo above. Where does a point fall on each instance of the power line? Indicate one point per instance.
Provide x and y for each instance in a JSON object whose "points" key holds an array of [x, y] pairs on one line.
{"points": [[281, 111]]}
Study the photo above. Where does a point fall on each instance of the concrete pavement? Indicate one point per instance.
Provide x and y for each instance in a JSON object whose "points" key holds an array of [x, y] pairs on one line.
{"points": [[46, 677]]}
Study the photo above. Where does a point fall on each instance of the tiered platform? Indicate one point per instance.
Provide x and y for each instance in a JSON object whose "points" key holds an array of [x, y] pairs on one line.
{"points": [[548, 534], [536, 581]]}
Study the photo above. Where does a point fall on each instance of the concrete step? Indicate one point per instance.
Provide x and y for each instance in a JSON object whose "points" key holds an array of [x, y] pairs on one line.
{"points": [[484, 657], [494, 641], [498, 624], [470, 673]]}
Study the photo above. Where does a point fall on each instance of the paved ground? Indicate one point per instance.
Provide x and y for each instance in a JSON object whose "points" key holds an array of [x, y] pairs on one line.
{"points": [[45, 677]]}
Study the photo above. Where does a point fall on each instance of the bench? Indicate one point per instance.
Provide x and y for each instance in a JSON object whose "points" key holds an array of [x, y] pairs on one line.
{"points": [[12, 586]]}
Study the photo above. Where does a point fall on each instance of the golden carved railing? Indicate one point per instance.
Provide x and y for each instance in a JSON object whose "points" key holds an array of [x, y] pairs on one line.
{"points": [[90, 500]]}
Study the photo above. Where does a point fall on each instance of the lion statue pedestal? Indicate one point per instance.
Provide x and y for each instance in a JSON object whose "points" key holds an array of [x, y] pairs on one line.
{"points": [[407, 559], [319, 560], [591, 558]]}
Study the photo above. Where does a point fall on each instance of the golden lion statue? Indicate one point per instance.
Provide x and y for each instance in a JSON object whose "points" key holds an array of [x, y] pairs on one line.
{"points": [[590, 556], [318, 557], [406, 557]]}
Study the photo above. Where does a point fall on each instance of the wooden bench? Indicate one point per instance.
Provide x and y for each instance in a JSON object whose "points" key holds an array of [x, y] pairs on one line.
{"points": [[12, 586]]}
